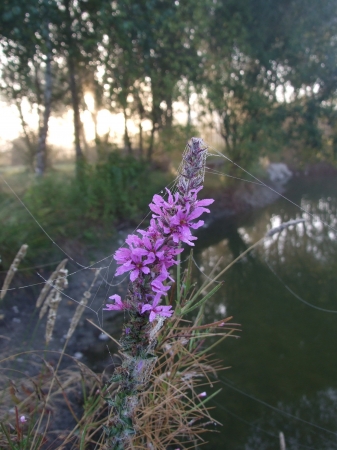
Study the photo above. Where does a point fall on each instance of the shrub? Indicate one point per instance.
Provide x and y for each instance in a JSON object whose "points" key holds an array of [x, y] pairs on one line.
{"points": [[104, 195]]}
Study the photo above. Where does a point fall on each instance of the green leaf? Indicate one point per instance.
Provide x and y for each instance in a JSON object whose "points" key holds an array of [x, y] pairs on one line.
{"points": [[188, 308]]}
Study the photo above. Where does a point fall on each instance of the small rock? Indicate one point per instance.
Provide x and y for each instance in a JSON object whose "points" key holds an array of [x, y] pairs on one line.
{"points": [[279, 173]]}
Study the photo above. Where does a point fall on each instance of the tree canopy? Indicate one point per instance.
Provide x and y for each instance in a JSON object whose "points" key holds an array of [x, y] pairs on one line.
{"points": [[264, 70]]}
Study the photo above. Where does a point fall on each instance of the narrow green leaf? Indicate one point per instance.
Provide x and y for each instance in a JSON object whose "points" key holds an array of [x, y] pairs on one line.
{"points": [[207, 399], [189, 272], [188, 309]]}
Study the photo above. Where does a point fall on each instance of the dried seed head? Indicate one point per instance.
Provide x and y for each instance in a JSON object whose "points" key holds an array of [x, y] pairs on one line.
{"points": [[49, 284], [13, 268], [81, 307], [55, 298]]}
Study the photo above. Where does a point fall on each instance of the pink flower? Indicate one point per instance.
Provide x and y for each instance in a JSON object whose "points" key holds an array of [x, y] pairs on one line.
{"points": [[156, 205], [152, 247], [117, 306], [179, 232], [140, 266], [136, 264], [184, 218], [159, 205], [133, 240], [155, 310], [172, 199], [158, 286], [122, 255], [152, 232], [23, 419]]}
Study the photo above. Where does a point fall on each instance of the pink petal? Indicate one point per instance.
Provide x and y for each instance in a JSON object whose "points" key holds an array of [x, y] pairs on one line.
{"points": [[116, 297], [134, 274], [197, 224], [157, 199], [146, 307], [152, 316], [204, 202], [115, 307], [197, 212], [150, 258], [164, 311], [133, 239], [158, 286], [155, 209], [139, 251], [122, 255], [124, 268]]}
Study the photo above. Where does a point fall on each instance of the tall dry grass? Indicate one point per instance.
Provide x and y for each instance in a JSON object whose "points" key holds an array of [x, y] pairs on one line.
{"points": [[170, 412], [34, 403]]}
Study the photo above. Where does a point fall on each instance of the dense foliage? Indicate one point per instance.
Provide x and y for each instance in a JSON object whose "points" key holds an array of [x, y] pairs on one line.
{"points": [[72, 208], [264, 71]]}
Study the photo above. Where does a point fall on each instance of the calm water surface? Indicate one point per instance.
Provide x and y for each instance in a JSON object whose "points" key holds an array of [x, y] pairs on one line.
{"points": [[285, 359]]}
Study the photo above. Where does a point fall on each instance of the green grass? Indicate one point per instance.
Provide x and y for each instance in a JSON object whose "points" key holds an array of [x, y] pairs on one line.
{"points": [[108, 194]]}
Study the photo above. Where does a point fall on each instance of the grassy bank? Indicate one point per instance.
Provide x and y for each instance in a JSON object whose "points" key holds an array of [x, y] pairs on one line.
{"points": [[88, 209]]}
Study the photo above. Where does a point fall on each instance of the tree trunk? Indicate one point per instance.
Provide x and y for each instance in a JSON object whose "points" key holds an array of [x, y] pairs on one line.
{"points": [[156, 115], [41, 154], [29, 143], [94, 119], [76, 109], [150, 148], [38, 93], [140, 140], [73, 87], [188, 101], [169, 113], [85, 142], [141, 112], [127, 142]]}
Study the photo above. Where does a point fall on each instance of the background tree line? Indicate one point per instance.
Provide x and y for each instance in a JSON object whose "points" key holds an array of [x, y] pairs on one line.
{"points": [[264, 71]]}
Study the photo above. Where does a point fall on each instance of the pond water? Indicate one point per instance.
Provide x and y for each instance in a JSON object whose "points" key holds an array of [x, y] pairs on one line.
{"points": [[283, 367]]}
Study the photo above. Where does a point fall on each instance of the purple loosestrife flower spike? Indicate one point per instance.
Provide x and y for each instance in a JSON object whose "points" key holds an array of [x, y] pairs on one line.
{"points": [[151, 254]]}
